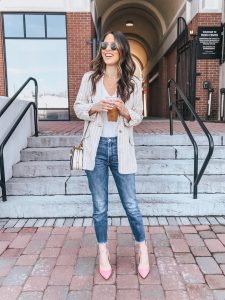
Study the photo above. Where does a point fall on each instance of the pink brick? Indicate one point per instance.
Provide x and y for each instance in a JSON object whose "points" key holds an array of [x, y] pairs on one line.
{"points": [[127, 282], [184, 258], [66, 259], [74, 235], [56, 240], [154, 290], [215, 281], [214, 245], [194, 240], [125, 251], [200, 251], [202, 227], [124, 229], [3, 246], [163, 251], [61, 275], [87, 251], [60, 230], [126, 265], [199, 291], [27, 260], [36, 283], [7, 236], [89, 229], [14, 252], [50, 252], [41, 236], [56, 293], [128, 294], [221, 236], [156, 229], [175, 295], [21, 241], [188, 229], [81, 283], [44, 266], [104, 292], [10, 292], [179, 245], [191, 273]]}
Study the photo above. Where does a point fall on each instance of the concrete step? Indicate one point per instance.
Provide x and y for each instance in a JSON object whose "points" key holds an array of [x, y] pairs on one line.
{"points": [[139, 139], [145, 167], [62, 153], [81, 206], [78, 185], [187, 152], [142, 152]]}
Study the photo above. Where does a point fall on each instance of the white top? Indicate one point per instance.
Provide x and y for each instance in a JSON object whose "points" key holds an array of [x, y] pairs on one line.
{"points": [[109, 128]]}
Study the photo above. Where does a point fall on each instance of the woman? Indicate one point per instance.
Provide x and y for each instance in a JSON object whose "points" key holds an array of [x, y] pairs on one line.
{"points": [[109, 143]]}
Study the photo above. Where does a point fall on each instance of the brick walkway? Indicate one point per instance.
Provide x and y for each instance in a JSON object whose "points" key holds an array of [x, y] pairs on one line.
{"points": [[60, 261], [147, 126]]}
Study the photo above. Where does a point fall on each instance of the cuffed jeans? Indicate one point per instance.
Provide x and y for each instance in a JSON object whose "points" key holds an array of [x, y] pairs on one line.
{"points": [[106, 158]]}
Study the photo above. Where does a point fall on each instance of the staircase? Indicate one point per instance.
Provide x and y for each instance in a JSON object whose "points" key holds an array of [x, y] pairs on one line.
{"points": [[43, 185]]}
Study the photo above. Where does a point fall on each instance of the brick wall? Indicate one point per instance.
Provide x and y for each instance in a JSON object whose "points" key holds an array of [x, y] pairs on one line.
{"points": [[80, 31], [208, 69], [2, 64], [157, 100]]}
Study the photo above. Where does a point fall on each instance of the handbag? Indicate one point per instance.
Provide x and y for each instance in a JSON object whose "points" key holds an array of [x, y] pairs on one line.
{"points": [[76, 154]]}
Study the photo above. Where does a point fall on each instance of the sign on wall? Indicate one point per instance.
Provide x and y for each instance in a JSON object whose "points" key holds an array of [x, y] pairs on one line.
{"points": [[209, 42]]}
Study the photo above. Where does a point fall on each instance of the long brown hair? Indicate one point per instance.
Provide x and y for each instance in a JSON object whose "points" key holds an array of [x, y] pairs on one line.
{"points": [[126, 67]]}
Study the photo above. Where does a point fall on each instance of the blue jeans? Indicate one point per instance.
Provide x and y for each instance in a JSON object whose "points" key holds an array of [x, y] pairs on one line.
{"points": [[98, 183]]}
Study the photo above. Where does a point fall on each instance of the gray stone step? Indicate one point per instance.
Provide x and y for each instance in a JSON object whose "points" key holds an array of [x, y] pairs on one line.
{"points": [[211, 184], [81, 206], [145, 167], [62, 153], [78, 185], [139, 139], [187, 152]]}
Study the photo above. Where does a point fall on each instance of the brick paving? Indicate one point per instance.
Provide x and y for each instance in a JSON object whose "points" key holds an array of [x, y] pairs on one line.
{"points": [[147, 126], [61, 261]]}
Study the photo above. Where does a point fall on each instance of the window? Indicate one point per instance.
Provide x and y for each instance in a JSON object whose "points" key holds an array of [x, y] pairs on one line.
{"points": [[36, 56], [35, 26]]}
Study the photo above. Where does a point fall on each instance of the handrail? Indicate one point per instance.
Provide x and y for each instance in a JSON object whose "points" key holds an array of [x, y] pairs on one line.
{"points": [[18, 92], [2, 168], [197, 176]]}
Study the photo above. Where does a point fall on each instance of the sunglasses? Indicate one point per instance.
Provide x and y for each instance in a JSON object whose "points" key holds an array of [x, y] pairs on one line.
{"points": [[113, 46]]}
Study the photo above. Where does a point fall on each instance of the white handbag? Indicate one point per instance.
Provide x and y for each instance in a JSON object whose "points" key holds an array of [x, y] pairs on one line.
{"points": [[76, 155]]}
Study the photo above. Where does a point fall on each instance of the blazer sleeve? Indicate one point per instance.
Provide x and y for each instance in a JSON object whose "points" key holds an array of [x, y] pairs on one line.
{"points": [[136, 112], [81, 104]]}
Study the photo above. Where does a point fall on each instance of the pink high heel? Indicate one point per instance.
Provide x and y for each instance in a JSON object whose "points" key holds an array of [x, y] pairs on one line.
{"points": [[105, 273], [143, 271]]}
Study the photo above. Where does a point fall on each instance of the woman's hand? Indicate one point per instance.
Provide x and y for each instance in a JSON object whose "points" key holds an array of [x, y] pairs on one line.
{"points": [[101, 106], [122, 109]]}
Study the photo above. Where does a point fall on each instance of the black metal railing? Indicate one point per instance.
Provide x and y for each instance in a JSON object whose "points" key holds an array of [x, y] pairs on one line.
{"points": [[34, 104], [172, 105]]}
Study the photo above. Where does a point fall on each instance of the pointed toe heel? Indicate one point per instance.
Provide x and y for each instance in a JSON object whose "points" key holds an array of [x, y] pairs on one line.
{"points": [[143, 272], [106, 274]]}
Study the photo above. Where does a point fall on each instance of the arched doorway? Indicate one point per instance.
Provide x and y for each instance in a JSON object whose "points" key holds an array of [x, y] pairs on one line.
{"points": [[145, 23]]}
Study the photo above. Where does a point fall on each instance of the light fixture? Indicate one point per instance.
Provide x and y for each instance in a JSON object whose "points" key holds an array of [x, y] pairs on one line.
{"points": [[129, 23]]}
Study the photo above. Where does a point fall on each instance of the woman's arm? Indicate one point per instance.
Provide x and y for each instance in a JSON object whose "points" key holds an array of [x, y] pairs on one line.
{"points": [[81, 106], [136, 112]]}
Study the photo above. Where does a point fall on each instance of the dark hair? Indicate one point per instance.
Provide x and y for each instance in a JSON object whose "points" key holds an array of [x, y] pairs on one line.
{"points": [[126, 67]]}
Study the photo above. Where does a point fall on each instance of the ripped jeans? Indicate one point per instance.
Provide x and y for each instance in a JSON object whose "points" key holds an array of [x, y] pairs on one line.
{"points": [[106, 158]]}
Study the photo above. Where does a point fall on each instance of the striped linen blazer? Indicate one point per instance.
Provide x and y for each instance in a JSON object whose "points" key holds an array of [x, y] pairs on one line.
{"points": [[125, 141]]}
